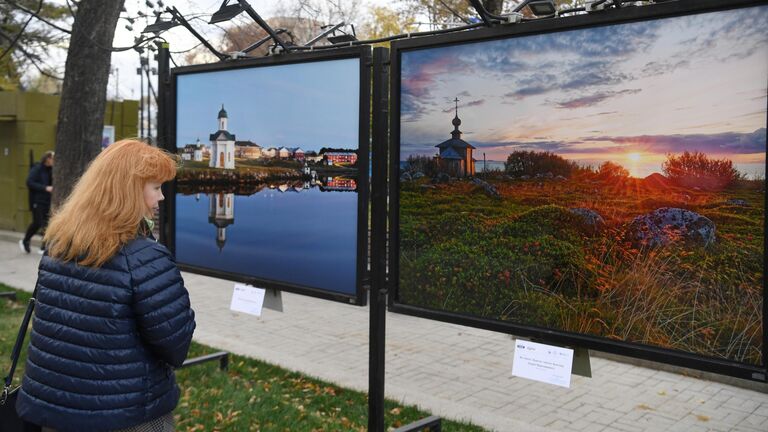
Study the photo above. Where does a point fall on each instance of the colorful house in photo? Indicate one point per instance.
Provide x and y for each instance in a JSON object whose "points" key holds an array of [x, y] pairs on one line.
{"points": [[193, 152], [247, 150], [337, 158], [340, 184], [222, 144], [284, 153], [455, 157], [298, 154], [187, 152]]}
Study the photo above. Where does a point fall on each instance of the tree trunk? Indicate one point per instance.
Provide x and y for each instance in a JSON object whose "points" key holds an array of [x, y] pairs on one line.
{"points": [[83, 95], [493, 6]]}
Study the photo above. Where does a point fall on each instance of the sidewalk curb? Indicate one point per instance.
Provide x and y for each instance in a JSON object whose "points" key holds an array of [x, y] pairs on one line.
{"points": [[14, 237]]}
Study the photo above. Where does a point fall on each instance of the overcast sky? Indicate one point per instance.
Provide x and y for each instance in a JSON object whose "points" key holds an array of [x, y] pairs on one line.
{"points": [[179, 38], [629, 93]]}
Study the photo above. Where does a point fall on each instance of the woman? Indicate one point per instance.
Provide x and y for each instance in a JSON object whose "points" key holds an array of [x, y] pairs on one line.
{"points": [[113, 317]]}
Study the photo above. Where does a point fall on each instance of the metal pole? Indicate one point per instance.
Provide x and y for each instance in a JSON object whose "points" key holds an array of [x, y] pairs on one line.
{"points": [[324, 34], [140, 71], [175, 12], [149, 102], [163, 86], [378, 292], [378, 289], [163, 131], [150, 95], [263, 24]]}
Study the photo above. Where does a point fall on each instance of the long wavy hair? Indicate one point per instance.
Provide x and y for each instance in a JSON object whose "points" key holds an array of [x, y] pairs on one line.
{"points": [[106, 206]]}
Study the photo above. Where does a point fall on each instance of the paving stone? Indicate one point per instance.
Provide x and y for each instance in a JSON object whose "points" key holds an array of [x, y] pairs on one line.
{"points": [[741, 404]]}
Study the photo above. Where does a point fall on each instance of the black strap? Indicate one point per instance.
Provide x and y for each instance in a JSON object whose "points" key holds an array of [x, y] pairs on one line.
{"points": [[17, 347]]}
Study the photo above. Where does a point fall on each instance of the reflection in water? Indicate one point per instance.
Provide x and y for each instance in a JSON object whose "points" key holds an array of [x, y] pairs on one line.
{"points": [[222, 214], [303, 232], [326, 184]]}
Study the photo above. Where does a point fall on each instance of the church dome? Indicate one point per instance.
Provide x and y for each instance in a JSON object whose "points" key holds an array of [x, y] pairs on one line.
{"points": [[222, 112], [456, 121]]}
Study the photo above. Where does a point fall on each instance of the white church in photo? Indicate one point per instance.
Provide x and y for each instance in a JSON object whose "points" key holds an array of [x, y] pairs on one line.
{"points": [[222, 145]]}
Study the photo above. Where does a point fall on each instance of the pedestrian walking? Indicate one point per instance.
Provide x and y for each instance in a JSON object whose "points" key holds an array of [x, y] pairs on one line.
{"points": [[40, 184]]}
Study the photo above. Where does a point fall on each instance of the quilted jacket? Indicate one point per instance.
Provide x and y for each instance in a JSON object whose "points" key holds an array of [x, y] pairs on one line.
{"points": [[105, 340]]}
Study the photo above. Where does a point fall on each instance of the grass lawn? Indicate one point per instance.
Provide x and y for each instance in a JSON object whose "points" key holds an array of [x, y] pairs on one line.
{"points": [[250, 396]]}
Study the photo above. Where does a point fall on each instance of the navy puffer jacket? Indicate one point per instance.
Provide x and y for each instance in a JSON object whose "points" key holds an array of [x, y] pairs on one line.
{"points": [[105, 340]]}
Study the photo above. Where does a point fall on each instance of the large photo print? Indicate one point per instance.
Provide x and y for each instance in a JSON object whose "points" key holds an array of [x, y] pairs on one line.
{"points": [[607, 181], [268, 186]]}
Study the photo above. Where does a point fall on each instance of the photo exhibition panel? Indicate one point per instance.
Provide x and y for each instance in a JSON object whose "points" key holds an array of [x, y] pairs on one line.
{"points": [[604, 183]]}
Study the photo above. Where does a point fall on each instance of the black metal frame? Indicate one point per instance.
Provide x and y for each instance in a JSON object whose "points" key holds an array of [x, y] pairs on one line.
{"points": [[431, 424], [631, 349], [363, 53], [222, 357], [377, 322]]}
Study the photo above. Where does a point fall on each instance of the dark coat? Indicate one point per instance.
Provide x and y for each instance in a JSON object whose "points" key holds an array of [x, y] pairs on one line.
{"points": [[104, 341], [39, 177]]}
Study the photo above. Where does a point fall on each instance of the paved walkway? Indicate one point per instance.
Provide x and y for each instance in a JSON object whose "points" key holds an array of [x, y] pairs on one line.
{"points": [[453, 371]]}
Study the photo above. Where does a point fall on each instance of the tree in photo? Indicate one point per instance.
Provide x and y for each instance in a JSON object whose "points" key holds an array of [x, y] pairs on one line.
{"points": [[610, 170], [696, 169], [424, 164], [531, 163]]}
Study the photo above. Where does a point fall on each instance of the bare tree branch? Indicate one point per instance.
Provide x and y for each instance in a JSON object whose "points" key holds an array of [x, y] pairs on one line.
{"points": [[113, 49], [37, 15], [34, 59], [31, 57], [21, 32], [71, 10], [454, 12]]}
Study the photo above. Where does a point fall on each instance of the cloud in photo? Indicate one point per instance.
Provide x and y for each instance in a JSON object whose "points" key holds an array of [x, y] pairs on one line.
{"points": [[655, 87], [593, 99], [720, 143], [473, 103]]}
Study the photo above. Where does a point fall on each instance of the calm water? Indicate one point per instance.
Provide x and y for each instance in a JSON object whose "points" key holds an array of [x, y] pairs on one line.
{"points": [[306, 237]]}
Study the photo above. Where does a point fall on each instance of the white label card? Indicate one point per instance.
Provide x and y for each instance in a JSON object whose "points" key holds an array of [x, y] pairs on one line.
{"points": [[545, 363], [247, 299]]}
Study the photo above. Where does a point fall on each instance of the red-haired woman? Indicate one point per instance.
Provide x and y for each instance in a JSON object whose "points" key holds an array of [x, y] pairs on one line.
{"points": [[113, 317]]}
